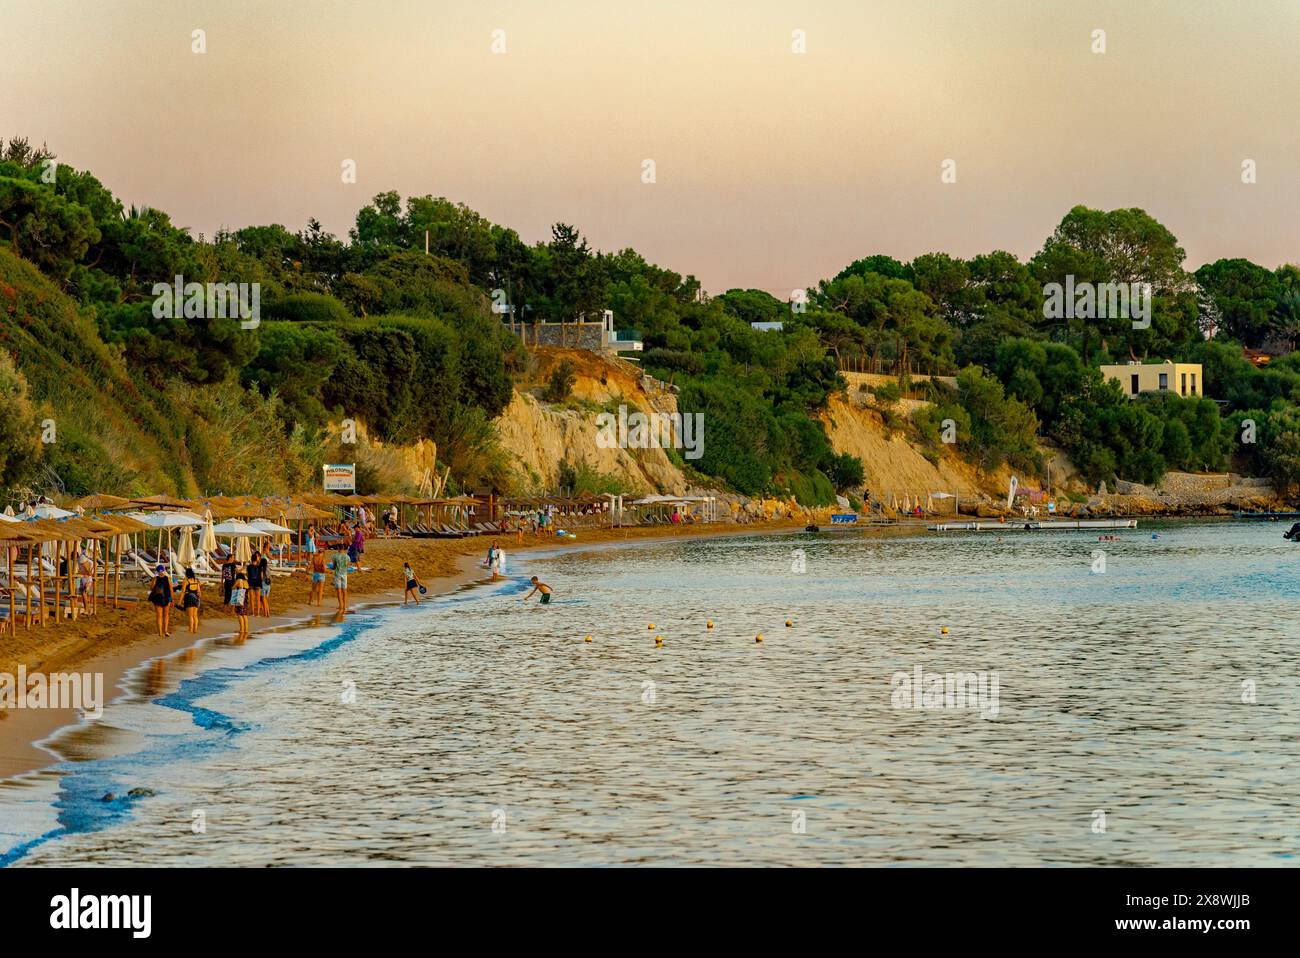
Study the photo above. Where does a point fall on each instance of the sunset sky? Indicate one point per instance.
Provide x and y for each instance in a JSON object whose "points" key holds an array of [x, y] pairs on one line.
{"points": [[774, 169]]}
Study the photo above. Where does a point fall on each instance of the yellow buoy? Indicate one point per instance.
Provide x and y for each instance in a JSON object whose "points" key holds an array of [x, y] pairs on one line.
{"points": [[709, 624], [587, 639], [659, 641], [651, 626], [759, 637], [789, 624], [944, 630]]}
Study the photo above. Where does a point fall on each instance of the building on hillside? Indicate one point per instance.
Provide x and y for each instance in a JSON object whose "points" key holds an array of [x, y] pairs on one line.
{"points": [[594, 336], [1134, 378], [774, 327]]}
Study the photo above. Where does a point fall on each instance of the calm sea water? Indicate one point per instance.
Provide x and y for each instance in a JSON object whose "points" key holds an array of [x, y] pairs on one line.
{"points": [[488, 732]]}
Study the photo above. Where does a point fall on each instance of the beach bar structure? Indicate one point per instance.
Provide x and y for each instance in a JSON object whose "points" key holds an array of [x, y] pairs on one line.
{"points": [[606, 508], [660, 508]]}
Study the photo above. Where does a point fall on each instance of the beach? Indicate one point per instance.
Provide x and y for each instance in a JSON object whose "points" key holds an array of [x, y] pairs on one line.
{"points": [[115, 641]]}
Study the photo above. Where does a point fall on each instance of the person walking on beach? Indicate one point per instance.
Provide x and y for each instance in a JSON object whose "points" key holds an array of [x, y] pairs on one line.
{"points": [[239, 600], [160, 597], [264, 593], [309, 547], [358, 544], [227, 578], [317, 579], [543, 588], [254, 576], [412, 585], [191, 599], [85, 581], [339, 563]]}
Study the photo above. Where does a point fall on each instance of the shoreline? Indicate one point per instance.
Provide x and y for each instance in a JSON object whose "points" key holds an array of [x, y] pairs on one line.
{"points": [[24, 732]]}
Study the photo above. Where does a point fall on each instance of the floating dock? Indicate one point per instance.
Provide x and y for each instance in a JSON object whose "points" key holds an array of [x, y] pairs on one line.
{"points": [[1034, 525]]}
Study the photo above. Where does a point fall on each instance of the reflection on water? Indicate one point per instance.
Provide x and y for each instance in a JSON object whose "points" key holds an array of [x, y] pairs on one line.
{"points": [[479, 730]]}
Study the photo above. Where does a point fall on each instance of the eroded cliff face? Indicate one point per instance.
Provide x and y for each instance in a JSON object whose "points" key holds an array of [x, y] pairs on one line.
{"points": [[892, 465], [537, 436]]}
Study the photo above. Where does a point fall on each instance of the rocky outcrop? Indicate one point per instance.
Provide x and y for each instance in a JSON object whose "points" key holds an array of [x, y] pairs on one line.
{"points": [[537, 437], [893, 466]]}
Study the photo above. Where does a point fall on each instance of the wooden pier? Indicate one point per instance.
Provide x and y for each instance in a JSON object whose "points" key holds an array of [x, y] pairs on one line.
{"points": [[1034, 525]]}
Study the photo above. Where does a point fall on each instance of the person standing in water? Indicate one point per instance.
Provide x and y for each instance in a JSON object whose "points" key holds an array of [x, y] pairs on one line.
{"points": [[412, 585], [543, 588]]}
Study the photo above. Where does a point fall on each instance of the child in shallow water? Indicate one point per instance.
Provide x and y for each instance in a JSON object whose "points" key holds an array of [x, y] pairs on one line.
{"points": [[543, 588], [412, 585]]}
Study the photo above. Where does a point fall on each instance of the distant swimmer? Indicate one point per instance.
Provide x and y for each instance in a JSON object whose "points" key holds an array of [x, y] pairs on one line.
{"points": [[543, 588]]}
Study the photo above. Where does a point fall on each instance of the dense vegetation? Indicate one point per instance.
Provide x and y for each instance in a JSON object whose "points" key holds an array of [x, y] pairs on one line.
{"points": [[412, 346]]}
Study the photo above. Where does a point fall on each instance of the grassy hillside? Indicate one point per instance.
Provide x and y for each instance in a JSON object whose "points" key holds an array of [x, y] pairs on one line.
{"points": [[109, 436]]}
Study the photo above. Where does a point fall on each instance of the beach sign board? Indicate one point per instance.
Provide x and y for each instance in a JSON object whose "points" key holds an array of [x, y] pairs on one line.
{"points": [[340, 477]]}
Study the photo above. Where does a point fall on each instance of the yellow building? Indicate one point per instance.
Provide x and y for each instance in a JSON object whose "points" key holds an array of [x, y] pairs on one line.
{"points": [[1134, 378]]}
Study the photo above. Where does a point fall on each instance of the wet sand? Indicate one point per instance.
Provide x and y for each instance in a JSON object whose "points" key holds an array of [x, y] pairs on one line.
{"points": [[112, 642]]}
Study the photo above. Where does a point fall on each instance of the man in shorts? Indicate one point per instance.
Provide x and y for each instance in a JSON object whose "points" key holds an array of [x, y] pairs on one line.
{"points": [[339, 563], [317, 579]]}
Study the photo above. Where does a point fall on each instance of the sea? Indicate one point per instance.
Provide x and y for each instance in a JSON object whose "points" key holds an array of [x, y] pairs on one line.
{"points": [[917, 698]]}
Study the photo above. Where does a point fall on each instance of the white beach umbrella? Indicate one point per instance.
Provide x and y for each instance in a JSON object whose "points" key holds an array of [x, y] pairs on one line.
{"points": [[236, 529], [9, 517], [9, 511], [208, 539], [47, 511], [185, 551], [168, 520], [268, 528], [243, 549]]}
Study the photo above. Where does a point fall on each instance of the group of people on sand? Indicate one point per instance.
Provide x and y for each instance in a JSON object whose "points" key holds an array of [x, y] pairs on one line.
{"points": [[246, 587], [163, 595], [337, 562]]}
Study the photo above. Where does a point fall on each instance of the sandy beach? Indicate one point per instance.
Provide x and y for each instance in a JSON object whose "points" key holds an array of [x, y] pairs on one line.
{"points": [[112, 642]]}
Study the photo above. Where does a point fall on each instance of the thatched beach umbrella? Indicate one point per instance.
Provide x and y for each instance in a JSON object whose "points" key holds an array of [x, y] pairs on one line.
{"points": [[101, 503], [161, 502]]}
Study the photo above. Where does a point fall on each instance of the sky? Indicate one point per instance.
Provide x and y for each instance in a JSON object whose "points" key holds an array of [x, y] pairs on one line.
{"points": [[772, 168]]}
